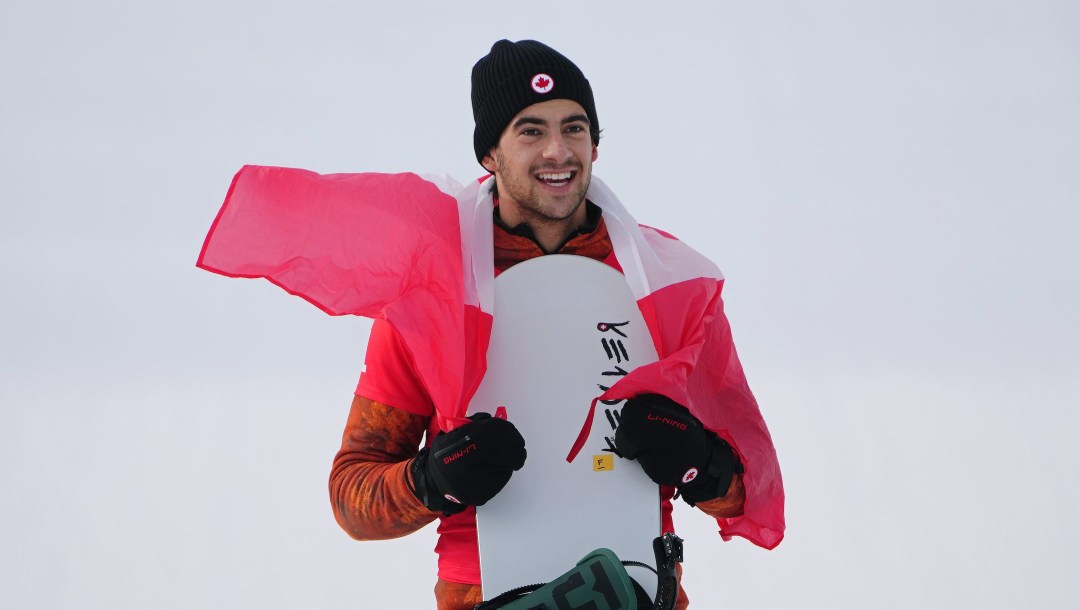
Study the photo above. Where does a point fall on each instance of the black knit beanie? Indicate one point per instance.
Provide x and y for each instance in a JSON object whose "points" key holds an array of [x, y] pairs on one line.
{"points": [[515, 75]]}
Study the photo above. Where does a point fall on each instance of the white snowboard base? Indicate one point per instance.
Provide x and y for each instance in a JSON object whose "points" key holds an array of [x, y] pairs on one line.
{"points": [[564, 327]]}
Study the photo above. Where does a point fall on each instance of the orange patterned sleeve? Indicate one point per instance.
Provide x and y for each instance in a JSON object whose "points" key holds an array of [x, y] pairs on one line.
{"points": [[368, 489]]}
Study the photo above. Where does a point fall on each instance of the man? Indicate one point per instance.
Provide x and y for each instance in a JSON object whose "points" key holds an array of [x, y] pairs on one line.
{"points": [[421, 258], [537, 133]]}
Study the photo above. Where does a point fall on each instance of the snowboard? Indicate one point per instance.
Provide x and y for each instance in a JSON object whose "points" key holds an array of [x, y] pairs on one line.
{"points": [[565, 328]]}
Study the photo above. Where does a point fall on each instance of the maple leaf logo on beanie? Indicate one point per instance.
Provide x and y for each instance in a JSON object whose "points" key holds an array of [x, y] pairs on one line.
{"points": [[542, 83]]}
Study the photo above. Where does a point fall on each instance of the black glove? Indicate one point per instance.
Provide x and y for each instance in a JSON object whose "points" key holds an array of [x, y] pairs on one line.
{"points": [[468, 465], [674, 448]]}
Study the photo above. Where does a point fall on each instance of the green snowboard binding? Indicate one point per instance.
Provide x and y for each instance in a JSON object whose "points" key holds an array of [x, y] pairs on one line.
{"points": [[600, 582]]}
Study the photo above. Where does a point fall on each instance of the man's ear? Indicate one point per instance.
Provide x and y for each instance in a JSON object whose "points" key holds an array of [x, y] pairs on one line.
{"points": [[489, 161], [595, 152]]}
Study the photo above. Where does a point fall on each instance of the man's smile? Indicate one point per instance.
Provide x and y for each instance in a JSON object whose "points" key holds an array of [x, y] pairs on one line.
{"points": [[557, 179]]}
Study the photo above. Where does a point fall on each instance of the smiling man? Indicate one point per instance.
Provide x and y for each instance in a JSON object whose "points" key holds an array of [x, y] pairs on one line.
{"points": [[537, 133], [543, 165]]}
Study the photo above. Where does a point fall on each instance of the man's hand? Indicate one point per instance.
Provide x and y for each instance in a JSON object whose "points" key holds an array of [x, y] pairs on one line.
{"points": [[674, 448], [468, 465]]}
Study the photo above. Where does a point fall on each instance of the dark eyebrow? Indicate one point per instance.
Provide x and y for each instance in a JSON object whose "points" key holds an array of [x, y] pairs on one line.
{"points": [[531, 120]]}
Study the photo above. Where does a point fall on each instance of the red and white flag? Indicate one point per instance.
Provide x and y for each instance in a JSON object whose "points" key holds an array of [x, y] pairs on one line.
{"points": [[419, 253]]}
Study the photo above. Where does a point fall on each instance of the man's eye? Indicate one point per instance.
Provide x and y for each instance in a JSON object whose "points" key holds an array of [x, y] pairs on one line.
{"points": [[575, 129], [530, 132]]}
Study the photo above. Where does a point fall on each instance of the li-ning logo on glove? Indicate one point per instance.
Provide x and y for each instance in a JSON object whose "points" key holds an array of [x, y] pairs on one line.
{"points": [[542, 83], [690, 475], [455, 455], [452, 499], [665, 420]]}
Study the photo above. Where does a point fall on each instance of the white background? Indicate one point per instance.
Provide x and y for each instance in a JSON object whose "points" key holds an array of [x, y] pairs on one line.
{"points": [[890, 187]]}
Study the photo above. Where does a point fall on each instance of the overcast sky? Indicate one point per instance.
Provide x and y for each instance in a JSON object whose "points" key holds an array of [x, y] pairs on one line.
{"points": [[891, 188]]}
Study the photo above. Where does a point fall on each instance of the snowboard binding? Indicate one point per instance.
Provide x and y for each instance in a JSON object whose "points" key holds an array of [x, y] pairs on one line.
{"points": [[600, 582]]}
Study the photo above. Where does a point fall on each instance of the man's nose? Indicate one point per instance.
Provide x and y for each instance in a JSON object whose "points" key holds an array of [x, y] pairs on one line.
{"points": [[555, 148]]}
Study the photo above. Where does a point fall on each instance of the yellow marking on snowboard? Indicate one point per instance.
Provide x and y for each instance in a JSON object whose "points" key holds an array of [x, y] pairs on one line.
{"points": [[603, 462]]}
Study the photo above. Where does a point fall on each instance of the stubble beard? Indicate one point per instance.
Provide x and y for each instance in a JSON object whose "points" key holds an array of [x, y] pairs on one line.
{"points": [[530, 198]]}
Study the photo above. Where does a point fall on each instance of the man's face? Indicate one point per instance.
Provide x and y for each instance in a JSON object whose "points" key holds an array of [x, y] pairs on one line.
{"points": [[543, 164]]}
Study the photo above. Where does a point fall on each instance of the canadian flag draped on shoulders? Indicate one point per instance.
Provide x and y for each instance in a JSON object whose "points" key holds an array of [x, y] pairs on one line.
{"points": [[418, 253]]}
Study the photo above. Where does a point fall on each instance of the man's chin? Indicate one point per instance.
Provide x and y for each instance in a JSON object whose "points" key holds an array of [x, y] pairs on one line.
{"points": [[562, 209]]}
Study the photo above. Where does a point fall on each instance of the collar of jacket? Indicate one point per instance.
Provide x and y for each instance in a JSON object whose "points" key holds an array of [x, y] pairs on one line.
{"points": [[593, 214]]}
